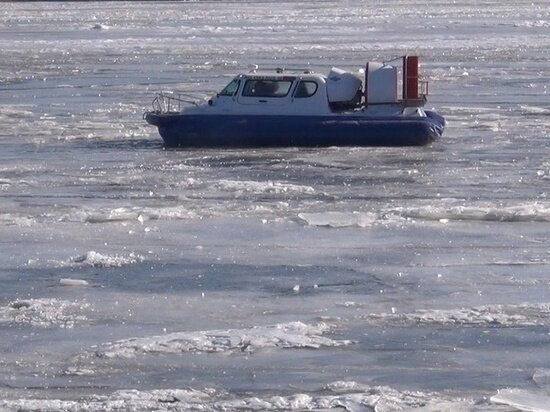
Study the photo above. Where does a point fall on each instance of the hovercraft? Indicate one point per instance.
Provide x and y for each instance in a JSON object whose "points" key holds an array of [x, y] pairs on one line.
{"points": [[380, 105]]}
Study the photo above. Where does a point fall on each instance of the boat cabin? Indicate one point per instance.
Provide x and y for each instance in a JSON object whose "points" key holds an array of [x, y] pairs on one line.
{"points": [[268, 91], [304, 92]]}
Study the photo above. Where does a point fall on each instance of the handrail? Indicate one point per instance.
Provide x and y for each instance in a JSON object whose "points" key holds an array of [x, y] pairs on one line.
{"points": [[170, 103], [280, 70]]}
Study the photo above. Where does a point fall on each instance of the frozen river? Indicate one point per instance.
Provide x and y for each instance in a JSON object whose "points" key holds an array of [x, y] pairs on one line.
{"points": [[360, 279]]}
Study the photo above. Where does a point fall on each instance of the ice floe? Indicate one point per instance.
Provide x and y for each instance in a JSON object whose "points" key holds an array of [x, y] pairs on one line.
{"points": [[529, 212], [16, 219], [267, 187], [488, 315], [44, 312], [96, 259], [73, 282], [523, 399], [338, 219], [542, 378], [130, 214], [286, 335], [11, 112], [100, 26], [338, 396]]}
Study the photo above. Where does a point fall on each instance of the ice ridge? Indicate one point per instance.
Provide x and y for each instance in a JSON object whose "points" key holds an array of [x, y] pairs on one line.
{"points": [[96, 259], [525, 314], [286, 335], [346, 396]]}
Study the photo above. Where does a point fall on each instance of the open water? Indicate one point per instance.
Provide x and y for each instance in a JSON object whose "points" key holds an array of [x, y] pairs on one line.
{"points": [[138, 278]]}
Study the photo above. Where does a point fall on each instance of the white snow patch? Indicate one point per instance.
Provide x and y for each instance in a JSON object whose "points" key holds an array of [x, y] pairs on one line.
{"points": [[44, 312], [286, 335]]}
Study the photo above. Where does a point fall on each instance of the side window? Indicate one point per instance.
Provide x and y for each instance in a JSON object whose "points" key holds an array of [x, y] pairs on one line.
{"points": [[231, 88], [266, 88], [305, 89]]}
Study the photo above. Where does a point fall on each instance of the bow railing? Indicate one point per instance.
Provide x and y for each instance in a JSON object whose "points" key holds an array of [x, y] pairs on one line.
{"points": [[173, 103]]}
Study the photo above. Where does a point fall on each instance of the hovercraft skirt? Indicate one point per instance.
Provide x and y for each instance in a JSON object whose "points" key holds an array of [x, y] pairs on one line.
{"points": [[187, 130]]}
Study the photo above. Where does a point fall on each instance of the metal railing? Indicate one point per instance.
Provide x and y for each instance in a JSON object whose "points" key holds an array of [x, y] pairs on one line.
{"points": [[423, 87], [173, 103]]}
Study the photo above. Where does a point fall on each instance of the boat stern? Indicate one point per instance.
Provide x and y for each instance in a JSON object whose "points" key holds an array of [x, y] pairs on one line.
{"points": [[437, 122]]}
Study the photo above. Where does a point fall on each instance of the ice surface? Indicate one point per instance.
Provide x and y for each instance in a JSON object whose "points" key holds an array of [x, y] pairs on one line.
{"points": [[223, 264]]}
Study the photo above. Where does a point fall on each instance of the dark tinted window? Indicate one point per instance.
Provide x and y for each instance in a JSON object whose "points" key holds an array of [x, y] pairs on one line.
{"points": [[266, 88], [305, 89]]}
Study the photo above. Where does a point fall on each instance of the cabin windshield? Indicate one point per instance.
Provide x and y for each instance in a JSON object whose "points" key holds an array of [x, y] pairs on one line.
{"points": [[266, 88], [231, 88]]}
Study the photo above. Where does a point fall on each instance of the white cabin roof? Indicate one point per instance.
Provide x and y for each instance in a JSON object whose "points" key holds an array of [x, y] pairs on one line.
{"points": [[304, 92]]}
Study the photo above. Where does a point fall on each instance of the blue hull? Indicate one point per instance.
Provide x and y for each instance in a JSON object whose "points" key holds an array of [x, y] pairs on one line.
{"points": [[179, 130]]}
